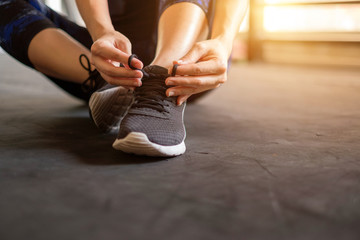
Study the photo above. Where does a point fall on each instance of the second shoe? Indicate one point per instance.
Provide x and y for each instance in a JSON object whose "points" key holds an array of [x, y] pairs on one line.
{"points": [[108, 104]]}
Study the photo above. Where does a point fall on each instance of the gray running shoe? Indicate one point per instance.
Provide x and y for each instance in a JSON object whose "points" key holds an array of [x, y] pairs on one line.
{"points": [[154, 124], [108, 105]]}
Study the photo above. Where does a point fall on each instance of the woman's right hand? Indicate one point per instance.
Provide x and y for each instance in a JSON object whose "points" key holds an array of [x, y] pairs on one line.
{"points": [[107, 52]]}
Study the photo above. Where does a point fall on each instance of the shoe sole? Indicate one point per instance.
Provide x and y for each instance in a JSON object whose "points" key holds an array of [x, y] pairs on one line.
{"points": [[139, 144], [108, 107]]}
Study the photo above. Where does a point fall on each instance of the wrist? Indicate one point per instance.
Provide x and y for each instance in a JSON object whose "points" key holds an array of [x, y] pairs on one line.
{"points": [[226, 41], [100, 31]]}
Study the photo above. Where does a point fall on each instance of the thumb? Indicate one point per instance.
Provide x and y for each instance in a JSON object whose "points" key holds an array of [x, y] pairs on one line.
{"points": [[181, 99], [193, 56]]}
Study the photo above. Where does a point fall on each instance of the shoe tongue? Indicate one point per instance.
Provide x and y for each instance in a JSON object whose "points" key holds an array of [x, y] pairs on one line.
{"points": [[156, 70]]}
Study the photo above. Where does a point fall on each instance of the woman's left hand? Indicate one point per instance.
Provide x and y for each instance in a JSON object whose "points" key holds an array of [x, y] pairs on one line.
{"points": [[203, 68]]}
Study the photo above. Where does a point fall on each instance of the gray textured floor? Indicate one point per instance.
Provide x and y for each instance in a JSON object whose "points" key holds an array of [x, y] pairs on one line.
{"points": [[272, 154]]}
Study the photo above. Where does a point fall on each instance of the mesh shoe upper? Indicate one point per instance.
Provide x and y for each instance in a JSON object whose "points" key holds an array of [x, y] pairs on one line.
{"points": [[153, 113], [107, 103]]}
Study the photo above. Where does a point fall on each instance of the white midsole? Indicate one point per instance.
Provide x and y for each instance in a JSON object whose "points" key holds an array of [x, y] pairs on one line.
{"points": [[138, 143]]}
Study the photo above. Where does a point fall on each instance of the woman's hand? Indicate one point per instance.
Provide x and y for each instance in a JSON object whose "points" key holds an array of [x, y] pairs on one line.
{"points": [[203, 68], [107, 52]]}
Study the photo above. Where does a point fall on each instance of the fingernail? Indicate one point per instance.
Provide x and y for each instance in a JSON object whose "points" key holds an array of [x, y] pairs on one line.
{"points": [[138, 65], [169, 83], [179, 62], [171, 94], [138, 74]]}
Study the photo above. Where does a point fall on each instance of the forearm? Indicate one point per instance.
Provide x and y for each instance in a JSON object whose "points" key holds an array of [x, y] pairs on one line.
{"points": [[228, 16], [96, 17]]}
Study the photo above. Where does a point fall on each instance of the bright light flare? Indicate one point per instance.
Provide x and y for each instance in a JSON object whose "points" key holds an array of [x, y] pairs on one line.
{"points": [[314, 18]]}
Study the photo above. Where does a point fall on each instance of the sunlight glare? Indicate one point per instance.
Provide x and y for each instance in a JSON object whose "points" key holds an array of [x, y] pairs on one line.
{"points": [[330, 18]]}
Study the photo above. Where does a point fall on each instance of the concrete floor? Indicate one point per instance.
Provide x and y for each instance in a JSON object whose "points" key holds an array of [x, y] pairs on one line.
{"points": [[272, 154]]}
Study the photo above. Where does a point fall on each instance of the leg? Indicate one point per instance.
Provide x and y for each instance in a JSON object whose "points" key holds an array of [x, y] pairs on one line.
{"points": [[31, 33], [177, 32], [154, 124], [54, 53], [180, 26]]}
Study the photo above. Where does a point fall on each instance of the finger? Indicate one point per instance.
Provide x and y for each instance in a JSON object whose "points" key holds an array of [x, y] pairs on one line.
{"points": [[129, 82], [109, 69], [109, 52], [136, 63], [123, 45], [202, 68], [178, 91], [196, 81], [181, 99]]}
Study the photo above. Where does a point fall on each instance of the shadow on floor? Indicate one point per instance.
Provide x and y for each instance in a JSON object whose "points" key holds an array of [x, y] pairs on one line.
{"points": [[73, 132]]}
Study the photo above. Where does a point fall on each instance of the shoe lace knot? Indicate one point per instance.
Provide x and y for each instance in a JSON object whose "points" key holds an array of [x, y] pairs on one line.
{"points": [[92, 82], [152, 92]]}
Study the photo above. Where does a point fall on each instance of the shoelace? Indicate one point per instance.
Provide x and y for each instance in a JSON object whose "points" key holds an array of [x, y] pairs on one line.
{"points": [[91, 83], [152, 93]]}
